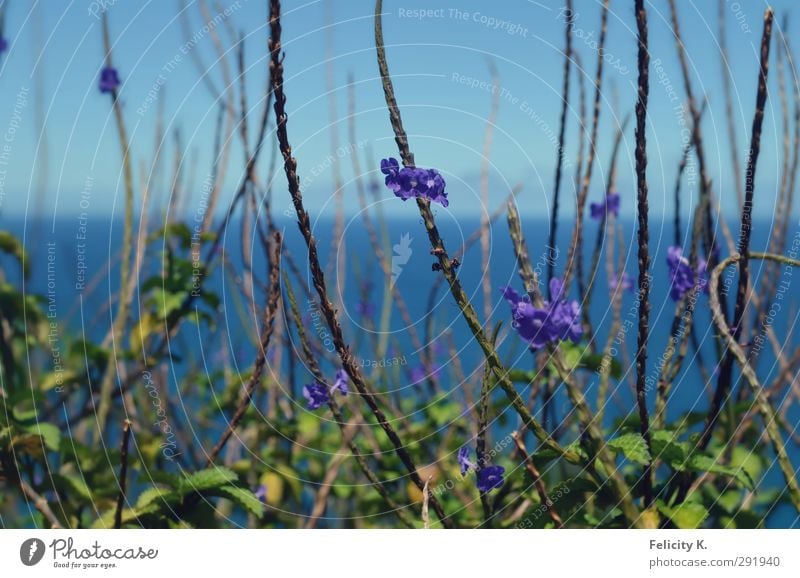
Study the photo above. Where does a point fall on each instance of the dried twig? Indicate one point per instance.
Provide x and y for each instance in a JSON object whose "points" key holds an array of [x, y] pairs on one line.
{"points": [[318, 277], [643, 239], [570, 19], [538, 483], [726, 367], [123, 472], [261, 359], [736, 351]]}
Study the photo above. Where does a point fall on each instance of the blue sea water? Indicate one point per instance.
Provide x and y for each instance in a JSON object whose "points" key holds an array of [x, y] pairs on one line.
{"points": [[70, 243]]}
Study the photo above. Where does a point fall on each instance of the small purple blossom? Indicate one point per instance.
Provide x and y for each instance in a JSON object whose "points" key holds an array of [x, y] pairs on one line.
{"points": [[490, 478], [682, 277], [261, 493], [609, 206], [3, 44], [365, 308], [414, 182], [340, 384], [418, 373], [464, 461], [557, 320], [617, 281], [316, 394], [109, 80]]}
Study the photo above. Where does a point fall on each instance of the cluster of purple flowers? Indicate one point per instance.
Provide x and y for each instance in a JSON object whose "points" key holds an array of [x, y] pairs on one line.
{"points": [[610, 206], [317, 394], [556, 321], [414, 182], [682, 276], [489, 477], [109, 80]]}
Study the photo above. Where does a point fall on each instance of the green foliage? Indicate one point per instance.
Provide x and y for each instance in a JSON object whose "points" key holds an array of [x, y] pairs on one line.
{"points": [[632, 446], [46, 421], [686, 516]]}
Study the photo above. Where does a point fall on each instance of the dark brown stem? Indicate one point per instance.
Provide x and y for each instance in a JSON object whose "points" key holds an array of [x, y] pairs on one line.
{"points": [[605, 225], [697, 136], [538, 483], [643, 239], [317, 275], [726, 369], [261, 359], [123, 472], [437, 244], [551, 263], [346, 429], [480, 443], [727, 91], [575, 254]]}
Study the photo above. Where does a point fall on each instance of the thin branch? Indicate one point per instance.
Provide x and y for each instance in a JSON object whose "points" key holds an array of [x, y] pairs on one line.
{"points": [[643, 240], [318, 277], [261, 359], [726, 368], [123, 472]]}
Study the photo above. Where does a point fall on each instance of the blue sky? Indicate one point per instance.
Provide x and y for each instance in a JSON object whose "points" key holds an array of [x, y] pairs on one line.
{"points": [[49, 96]]}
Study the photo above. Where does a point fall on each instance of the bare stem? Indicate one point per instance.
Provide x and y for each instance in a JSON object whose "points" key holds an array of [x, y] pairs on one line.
{"points": [[123, 472], [643, 239], [304, 224]]}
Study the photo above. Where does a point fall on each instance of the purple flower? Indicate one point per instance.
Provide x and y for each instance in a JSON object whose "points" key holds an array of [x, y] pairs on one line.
{"points": [[565, 321], [3, 44], [610, 206], [365, 308], [556, 321], [418, 374], [316, 394], [529, 321], [490, 477], [617, 281], [702, 275], [682, 277], [261, 493], [464, 461], [109, 80], [414, 182], [340, 384]]}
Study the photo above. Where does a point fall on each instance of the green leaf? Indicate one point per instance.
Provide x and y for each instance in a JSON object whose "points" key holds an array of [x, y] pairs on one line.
{"points": [[680, 457], [579, 356], [444, 413], [209, 479], [546, 454], [686, 516], [74, 483], [667, 448], [751, 461], [151, 499], [242, 497], [704, 463], [632, 446], [50, 434]]}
